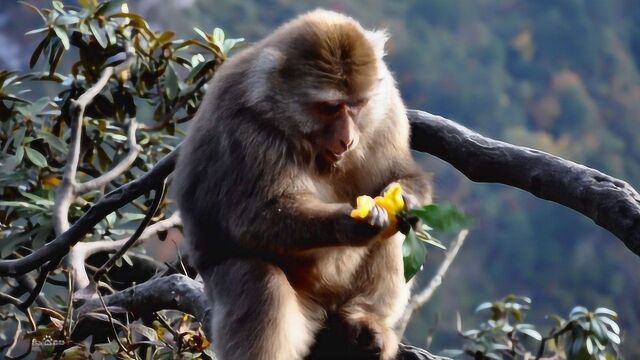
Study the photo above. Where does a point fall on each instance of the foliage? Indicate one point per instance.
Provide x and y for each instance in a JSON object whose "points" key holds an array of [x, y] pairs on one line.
{"points": [[584, 335], [161, 89]]}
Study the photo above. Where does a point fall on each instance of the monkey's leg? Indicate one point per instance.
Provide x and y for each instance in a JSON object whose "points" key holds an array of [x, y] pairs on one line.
{"points": [[255, 313], [382, 295]]}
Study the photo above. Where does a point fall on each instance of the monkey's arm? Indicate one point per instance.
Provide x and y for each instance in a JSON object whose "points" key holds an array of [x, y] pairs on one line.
{"points": [[301, 222]]}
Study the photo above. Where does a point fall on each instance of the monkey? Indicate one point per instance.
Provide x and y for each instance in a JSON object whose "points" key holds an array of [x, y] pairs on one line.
{"points": [[291, 130]]}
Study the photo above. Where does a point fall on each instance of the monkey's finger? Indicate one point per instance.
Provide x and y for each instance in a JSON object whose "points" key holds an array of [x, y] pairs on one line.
{"points": [[383, 217], [373, 216], [410, 201]]}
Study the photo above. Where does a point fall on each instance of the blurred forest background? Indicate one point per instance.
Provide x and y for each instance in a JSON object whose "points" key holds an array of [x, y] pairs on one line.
{"points": [[562, 76]]}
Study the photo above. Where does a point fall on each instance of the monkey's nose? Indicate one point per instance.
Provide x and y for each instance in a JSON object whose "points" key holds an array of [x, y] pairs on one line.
{"points": [[346, 145]]}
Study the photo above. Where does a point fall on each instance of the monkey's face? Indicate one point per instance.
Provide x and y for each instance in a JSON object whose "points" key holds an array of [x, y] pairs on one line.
{"points": [[337, 124]]}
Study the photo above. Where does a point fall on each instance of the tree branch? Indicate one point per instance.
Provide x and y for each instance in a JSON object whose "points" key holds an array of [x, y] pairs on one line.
{"points": [[609, 202], [66, 192], [179, 292], [121, 167], [82, 250], [419, 299], [60, 246]]}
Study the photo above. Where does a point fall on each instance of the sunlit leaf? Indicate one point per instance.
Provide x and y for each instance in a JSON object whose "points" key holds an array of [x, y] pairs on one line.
{"points": [[98, 34], [62, 35], [36, 158]]}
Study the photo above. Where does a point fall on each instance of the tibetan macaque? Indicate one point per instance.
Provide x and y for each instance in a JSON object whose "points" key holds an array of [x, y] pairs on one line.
{"points": [[291, 131]]}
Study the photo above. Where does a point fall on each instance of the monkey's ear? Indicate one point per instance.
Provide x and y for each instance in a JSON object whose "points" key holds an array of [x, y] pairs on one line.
{"points": [[378, 38], [265, 66]]}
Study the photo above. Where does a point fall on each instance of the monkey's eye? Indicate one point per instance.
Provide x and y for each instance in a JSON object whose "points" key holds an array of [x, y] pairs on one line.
{"points": [[357, 104], [327, 108]]}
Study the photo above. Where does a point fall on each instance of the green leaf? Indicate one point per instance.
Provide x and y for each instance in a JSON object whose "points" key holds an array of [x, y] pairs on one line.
{"points": [[413, 255], [39, 105], [578, 312], [531, 333], [425, 237], [17, 158], [218, 37], [601, 311], [62, 35], [598, 330], [38, 51], [145, 331], [66, 20], [37, 31], [36, 158], [98, 34], [58, 5], [53, 141], [21, 204], [441, 217], [201, 33], [171, 83], [612, 324], [108, 6], [230, 44]]}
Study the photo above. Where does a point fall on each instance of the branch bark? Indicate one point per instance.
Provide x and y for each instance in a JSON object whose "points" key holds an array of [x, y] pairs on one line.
{"points": [[60, 246], [179, 292], [81, 251], [609, 202]]}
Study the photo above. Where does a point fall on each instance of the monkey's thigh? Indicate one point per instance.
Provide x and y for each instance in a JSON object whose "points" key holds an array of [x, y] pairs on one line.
{"points": [[255, 313], [363, 327]]}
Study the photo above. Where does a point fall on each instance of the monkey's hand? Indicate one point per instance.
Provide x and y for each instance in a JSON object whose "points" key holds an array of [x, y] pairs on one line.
{"points": [[368, 218]]}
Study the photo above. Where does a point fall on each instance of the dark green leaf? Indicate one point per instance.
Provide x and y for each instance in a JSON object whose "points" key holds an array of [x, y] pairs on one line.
{"points": [[441, 217], [36, 53], [413, 255]]}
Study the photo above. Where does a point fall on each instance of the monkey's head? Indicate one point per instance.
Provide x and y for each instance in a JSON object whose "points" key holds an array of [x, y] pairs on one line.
{"points": [[319, 74]]}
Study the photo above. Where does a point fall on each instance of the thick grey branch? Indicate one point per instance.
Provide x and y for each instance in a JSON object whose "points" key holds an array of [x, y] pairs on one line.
{"points": [[177, 292], [609, 202], [182, 293]]}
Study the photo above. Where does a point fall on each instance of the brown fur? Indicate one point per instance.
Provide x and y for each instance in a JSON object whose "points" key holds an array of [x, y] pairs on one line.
{"points": [[289, 273]]}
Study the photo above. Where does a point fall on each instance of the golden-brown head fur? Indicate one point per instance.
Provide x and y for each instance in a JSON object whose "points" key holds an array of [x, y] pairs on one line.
{"points": [[333, 50]]}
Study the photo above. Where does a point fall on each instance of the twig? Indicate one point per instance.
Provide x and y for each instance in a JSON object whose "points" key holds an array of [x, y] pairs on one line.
{"points": [[418, 300], [69, 315], [114, 200], [121, 167], [66, 193], [81, 251], [113, 326], [159, 196]]}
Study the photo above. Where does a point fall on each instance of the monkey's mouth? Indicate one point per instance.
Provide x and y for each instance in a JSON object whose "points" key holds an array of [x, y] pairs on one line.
{"points": [[332, 157]]}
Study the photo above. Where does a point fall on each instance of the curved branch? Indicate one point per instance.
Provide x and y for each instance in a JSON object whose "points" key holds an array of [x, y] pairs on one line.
{"points": [[122, 166], [60, 246], [179, 292], [81, 251], [609, 202]]}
